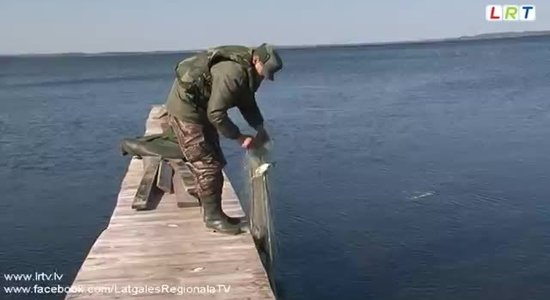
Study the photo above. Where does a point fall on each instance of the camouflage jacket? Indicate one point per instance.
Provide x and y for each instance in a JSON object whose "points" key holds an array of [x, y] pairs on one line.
{"points": [[208, 84]]}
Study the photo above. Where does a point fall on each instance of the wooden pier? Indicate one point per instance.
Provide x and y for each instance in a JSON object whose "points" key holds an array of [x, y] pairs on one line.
{"points": [[166, 252]]}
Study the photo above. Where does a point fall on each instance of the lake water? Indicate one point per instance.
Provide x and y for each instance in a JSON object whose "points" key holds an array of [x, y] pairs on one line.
{"points": [[403, 171]]}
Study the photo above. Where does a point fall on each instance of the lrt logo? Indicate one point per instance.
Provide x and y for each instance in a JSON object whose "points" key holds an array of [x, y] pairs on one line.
{"points": [[524, 12]]}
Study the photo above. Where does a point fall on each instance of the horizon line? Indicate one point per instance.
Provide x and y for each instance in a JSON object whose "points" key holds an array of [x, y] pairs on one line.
{"points": [[481, 36]]}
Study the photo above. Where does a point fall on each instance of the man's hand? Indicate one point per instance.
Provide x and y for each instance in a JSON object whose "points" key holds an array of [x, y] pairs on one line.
{"points": [[246, 141]]}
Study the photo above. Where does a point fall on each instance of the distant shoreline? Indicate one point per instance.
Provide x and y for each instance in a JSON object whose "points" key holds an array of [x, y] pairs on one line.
{"points": [[478, 37]]}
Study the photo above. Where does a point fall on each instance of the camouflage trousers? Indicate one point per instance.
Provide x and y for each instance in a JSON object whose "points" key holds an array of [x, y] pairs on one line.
{"points": [[200, 145]]}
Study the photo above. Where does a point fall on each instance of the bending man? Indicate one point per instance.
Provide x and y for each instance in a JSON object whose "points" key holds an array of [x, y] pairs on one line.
{"points": [[208, 84]]}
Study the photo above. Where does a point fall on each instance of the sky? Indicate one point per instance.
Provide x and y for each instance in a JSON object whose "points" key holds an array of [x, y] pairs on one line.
{"points": [[58, 26]]}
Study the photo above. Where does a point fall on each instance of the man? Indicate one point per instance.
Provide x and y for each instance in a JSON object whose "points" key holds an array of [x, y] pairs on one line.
{"points": [[207, 86]]}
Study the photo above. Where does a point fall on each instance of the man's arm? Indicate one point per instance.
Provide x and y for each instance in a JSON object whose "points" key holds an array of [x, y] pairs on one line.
{"points": [[226, 84], [251, 113]]}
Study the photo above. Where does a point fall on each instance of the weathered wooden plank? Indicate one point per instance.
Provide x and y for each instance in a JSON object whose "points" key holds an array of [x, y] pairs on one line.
{"points": [[145, 189], [183, 197], [184, 184], [169, 247], [157, 112], [164, 178], [185, 174]]}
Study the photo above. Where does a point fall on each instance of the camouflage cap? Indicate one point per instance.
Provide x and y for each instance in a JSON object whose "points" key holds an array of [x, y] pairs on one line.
{"points": [[270, 58]]}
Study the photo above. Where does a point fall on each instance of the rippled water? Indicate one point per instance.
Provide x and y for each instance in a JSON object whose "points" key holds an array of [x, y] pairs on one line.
{"points": [[403, 172]]}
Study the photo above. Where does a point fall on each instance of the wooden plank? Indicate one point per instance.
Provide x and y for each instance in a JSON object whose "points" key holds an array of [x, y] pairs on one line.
{"points": [[184, 184], [169, 247], [164, 178], [145, 189], [157, 112], [183, 197]]}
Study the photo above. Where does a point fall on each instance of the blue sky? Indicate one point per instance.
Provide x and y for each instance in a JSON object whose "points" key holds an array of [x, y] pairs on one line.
{"points": [[50, 26]]}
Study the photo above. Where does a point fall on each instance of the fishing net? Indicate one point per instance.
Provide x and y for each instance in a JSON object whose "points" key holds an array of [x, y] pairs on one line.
{"points": [[261, 224]]}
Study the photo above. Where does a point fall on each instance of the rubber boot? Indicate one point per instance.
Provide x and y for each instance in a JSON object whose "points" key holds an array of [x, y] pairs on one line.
{"points": [[216, 219], [206, 217]]}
